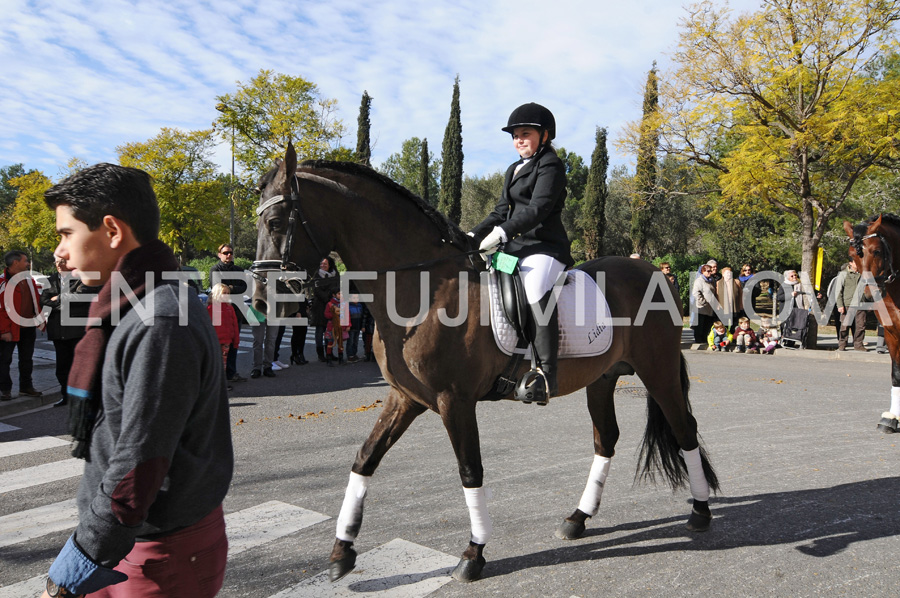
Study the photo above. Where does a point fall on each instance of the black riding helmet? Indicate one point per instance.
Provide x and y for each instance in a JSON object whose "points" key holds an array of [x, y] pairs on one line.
{"points": [[532, 115]]}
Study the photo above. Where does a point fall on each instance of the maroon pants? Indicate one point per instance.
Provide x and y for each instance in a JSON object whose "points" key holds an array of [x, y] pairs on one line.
{"points": [[190, 562]]}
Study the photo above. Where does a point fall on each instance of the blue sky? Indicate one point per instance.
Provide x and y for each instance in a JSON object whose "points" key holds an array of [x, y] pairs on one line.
{"points": [[82, 77]]}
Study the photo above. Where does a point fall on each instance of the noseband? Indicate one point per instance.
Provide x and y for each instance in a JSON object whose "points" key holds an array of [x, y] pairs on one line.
{"points": [[285, 265], [887, 259]]}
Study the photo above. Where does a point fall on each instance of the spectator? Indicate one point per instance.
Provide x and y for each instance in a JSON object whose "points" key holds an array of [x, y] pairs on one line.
{"points": [[224, 320], [18, 329], [264, 337], [155, 435], [667, 270], [62, 294], [635, 256], [232, 275], [744, 278], [719, 338], [744, 338], [768, 335], [356, 312], [325, 282], [729, 293], [367, 325], [799, 297], [848, 301], [298, 332], [338, 328], [714, 275], [702, 297]]}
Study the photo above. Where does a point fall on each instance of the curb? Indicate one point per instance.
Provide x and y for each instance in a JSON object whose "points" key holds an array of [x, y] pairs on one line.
{"points": [[21, 404], [823, 353]]}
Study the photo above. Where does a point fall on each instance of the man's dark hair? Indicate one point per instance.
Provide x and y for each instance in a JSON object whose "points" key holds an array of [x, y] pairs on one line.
{"points": [[13, 256], [108, 189]]}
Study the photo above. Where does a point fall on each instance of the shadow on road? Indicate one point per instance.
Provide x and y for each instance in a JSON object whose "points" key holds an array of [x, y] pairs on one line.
{"points": [[821, 522]]}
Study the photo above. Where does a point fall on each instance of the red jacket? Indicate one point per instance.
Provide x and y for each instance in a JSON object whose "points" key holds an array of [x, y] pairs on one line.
{"points": [[228, 331], [7, 323]]}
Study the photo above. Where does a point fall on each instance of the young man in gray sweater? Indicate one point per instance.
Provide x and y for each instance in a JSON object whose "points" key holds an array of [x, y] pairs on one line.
{"points": [[149, 405]]}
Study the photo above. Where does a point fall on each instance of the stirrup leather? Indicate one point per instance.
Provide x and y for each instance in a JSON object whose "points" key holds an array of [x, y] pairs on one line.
{"points": [[533, 387]]}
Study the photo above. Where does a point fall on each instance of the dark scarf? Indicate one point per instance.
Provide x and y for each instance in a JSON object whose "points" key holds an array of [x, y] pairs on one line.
{"points": [[86, 375]]}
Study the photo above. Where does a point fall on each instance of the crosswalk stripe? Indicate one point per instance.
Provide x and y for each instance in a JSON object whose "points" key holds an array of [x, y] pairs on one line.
{"points": [[399, 569], [34, 523], [7, 428], [263, 523], [18, 447], [40, 474]]}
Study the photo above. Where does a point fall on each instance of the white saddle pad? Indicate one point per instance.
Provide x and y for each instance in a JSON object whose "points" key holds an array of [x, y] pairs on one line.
{"points": [[585, 324]]}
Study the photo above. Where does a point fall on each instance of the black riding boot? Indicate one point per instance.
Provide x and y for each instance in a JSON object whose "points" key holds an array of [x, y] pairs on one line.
{"points": [[546, 345]]}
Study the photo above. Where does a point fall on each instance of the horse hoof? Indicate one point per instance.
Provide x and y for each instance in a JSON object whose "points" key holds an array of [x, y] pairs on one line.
{"points": [[468, 569], [569, 530], [699, 522], [889, 425], [338, 569]]}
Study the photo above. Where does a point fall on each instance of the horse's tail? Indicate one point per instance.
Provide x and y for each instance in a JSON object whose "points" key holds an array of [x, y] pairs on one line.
{"points": [[660, 450]]}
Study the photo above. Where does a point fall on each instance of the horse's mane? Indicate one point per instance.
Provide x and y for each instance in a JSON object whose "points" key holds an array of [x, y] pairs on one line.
{"points": [[449, 231], [887, 218]]}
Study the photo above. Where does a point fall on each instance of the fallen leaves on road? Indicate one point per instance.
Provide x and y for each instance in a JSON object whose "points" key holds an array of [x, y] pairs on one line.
{"points": [[377, 403]]}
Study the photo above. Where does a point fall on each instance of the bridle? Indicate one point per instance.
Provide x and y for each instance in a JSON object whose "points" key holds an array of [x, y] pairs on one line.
{"points": [[887, 257], [285, 265]]}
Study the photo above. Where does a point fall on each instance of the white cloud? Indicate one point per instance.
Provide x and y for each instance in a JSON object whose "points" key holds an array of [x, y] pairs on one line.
{"points": [[81, 78]]}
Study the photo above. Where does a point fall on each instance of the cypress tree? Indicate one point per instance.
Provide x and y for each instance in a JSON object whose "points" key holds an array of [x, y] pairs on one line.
{"points": [[595, 194], [645, 174], [363, 151], [452, 162], [423, 172]]}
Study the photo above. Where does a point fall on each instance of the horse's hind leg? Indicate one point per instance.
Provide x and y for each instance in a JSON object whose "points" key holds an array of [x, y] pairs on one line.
{"points": [[398, 413], [890, 420], [670, 442], [601, 405]]}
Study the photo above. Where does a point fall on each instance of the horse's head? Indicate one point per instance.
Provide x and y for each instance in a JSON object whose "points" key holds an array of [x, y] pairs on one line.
{"points": [[286, 240], [871, 248]]}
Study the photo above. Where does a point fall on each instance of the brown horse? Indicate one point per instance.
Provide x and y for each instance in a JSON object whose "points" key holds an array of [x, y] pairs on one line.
{"points": [[379, 227], [873, 244]]}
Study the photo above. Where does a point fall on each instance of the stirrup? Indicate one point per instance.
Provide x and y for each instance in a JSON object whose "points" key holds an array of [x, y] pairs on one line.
{"points": [[533, 388]]}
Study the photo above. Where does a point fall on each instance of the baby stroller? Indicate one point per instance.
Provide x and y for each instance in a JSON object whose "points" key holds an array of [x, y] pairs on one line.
{"points": [[795, 329]]}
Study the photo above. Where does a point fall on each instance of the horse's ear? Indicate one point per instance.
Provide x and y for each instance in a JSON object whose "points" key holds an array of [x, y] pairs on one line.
{"points": [[877, 222], [848, 228], [290, 159]]}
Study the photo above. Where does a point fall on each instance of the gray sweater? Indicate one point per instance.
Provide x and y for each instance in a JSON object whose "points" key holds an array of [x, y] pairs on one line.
{"points": [[161, 456]]}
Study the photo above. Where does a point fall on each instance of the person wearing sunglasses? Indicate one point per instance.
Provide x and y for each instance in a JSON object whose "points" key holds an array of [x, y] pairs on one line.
{"points": [[234, 277]]}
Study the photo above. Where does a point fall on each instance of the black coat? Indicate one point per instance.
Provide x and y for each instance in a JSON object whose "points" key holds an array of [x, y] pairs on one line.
{"points": [[322, 290], [77, 308], [530, 209], [237, 282]]}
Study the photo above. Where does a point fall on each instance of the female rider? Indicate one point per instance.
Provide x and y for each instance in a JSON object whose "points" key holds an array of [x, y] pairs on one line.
{"points": [[528, 220]]}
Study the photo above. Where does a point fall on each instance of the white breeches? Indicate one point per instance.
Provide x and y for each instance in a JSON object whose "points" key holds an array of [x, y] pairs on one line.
{"points": [[539, 274]]}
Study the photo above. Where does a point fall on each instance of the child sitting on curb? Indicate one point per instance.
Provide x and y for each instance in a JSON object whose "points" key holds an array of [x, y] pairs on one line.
{"points": [[719, 338], [768, 335], [744, 338]]}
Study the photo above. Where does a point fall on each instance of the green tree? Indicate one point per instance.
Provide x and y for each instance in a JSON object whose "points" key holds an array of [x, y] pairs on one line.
{"points": [[405, 168], [576, 179], [792, 91], [193, 198], [617, 235], [595, 196], [8, 191], [452, 159], [363, 150], [272, 109], [479, 196], [423, 172], [29, 223], [642, 204]]}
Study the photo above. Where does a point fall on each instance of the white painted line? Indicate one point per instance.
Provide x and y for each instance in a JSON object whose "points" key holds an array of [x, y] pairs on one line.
{"points": [[30, 587], [40, 474], [263, 523], [398, 569], [18, 447], [7, 428], [34, 523]]}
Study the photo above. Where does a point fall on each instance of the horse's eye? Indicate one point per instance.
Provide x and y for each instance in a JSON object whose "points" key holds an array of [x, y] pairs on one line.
{"points": [[274, 224], [876, 253], [257, 190]]}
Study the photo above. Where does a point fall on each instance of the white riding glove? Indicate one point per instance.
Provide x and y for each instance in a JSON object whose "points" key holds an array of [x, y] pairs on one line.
{"points": [[492, 241]]}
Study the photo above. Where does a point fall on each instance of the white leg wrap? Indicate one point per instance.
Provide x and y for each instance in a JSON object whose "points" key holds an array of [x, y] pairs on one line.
{"points": [[699, 485], [350, 518], [476, 500], [593, 491], [895, 401]]}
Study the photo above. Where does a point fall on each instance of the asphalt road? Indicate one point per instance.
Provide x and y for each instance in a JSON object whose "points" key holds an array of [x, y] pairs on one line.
{"points": [[808, 505]]}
